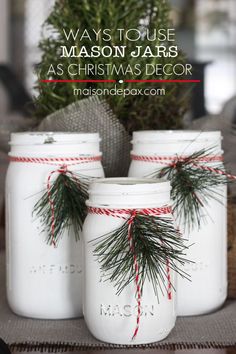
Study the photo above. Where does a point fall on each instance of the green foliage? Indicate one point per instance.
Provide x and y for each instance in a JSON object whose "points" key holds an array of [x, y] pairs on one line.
{"points": [[192, 185], [135, 112], [62, 207], [156, 243]]}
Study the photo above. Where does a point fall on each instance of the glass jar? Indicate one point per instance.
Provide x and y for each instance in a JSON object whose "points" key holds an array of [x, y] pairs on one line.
{"points": [[112, 317], [207, 290], [44, 281]]}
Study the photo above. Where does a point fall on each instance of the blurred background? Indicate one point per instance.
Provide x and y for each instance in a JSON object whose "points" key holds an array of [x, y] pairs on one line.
{"points": [[206, 32]]}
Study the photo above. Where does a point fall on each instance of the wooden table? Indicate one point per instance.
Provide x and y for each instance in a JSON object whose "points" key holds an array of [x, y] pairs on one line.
{"points": [[145, 351]]}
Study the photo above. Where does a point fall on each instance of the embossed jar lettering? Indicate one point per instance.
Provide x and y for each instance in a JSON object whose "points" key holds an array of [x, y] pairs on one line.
{"points": [[126, 310]]}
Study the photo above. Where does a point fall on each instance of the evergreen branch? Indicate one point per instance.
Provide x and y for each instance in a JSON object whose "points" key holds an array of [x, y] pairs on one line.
{"points": [[192, 186], [155, 242], [68, 194]]}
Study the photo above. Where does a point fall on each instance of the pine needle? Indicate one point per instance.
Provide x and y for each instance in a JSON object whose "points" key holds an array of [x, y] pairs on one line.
{"points": [[155, 242], [192, 186], [68, 195]]}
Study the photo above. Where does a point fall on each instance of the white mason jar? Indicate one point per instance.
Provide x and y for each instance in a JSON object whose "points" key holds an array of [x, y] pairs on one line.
{"points": [[208, 287], [111, 317], [43, 281]]}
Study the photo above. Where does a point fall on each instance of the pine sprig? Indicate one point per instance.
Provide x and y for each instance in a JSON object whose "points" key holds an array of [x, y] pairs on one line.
{"points": [[156, 243], [192, 186], [68, 194]]}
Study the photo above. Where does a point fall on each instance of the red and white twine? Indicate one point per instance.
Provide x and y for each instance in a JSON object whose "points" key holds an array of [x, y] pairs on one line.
{"points": [[196, 162], [130, 214], [61, 170], [63, 163], [69, 161], [171, 159]]}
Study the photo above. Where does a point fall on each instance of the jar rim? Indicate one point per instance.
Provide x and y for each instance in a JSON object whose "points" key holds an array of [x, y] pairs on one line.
{"points": [[166, 136], [129, 185], [129, 192], [44, 138]]}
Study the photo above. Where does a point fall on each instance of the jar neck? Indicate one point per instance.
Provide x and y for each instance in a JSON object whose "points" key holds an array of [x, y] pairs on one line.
{"points": [[54, 144], [59, 150], [175, 148], [129, 193]]}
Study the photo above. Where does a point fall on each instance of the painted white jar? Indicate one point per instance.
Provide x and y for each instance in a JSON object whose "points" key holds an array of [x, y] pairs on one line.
{"points": [[111, 317], [43, 281], [207, 290]]}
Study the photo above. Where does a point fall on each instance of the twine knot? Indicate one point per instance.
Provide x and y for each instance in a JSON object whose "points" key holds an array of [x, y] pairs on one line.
{"points": [[132, 216], [63, 169]]}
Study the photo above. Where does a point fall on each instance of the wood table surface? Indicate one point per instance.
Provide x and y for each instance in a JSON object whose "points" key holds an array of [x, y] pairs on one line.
{"points": [[231, 350]]}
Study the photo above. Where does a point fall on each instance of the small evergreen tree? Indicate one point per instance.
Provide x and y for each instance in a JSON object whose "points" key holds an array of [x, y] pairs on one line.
{"points": [[135, 112]]}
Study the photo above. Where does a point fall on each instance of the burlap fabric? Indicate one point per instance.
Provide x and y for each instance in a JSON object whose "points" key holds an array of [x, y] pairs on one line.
{"points": [[94, 115], [214, 330]]}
